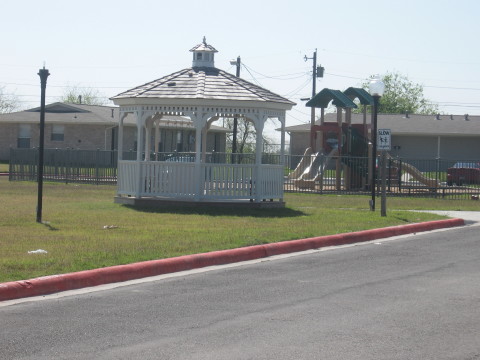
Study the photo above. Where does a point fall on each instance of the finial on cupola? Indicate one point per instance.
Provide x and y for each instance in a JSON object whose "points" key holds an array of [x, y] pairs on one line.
{"points": [[203, 54]]}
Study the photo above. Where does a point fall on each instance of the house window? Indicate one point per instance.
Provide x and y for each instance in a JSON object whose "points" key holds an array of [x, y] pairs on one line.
{"points": [[24, 136], [199, 56], [58, 132]]}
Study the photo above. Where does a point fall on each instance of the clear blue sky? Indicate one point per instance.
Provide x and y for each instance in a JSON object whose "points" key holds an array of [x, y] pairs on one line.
{"points": [[115, 45]]}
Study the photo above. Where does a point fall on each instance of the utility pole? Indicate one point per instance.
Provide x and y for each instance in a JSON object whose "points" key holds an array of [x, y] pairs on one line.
{"points": [[235, 119], [314, 92], [43, 73]]}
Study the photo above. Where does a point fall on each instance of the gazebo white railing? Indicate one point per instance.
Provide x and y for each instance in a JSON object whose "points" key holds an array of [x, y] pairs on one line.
{"points": [[183, 181]]}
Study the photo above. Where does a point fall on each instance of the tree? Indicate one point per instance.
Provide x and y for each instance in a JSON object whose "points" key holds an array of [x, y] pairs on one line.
{"points": [[402, 96], [87, 96], [8, 103], [246, 135]]}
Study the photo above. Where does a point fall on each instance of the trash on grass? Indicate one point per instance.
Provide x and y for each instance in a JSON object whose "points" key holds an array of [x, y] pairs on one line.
{"points": [[110, 226], [39, 251]]}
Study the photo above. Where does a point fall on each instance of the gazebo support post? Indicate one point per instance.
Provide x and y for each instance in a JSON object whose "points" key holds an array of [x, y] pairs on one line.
{"points": [[140, 119], [258, 158], [120, 138], [148, 137], [282, 140], [157, 136], [198, 153]]}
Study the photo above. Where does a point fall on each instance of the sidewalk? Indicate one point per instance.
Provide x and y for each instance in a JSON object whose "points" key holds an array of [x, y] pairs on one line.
{"points": [[470, 217]]}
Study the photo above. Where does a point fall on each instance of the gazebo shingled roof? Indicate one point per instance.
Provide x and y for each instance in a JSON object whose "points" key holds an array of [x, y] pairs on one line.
{"points": [[203, 83]]}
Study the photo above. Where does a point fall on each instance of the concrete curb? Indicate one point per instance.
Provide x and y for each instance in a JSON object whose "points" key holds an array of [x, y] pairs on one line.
{"points": [[57, 283]]}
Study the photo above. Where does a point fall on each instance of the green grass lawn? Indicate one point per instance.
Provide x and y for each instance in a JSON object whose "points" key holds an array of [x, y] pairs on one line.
{"points": [[84, 229]]}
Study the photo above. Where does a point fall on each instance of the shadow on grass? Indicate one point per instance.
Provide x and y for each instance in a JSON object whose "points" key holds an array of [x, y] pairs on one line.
{"points": [[221, 211], [49, 227]]}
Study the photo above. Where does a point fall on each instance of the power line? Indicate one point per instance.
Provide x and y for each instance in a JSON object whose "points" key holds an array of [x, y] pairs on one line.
{"points": [[68, 86], [450, 88], [253, 77], [280, 77], [344, 76], [298, 89]]}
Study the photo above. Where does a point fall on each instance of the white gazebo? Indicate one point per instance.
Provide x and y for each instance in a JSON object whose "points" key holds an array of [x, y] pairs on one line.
{"points": [[203, 94]]}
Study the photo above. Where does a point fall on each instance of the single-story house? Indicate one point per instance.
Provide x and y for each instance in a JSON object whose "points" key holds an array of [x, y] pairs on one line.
{"points": [[448, 137], [92, 127]]}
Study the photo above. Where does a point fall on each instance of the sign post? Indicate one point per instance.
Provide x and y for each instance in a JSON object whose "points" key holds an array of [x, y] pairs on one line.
{"points": [[384, 143]]}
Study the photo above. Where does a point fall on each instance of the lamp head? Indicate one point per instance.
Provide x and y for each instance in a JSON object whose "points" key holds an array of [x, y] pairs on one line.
{"points": [[376, 86]]}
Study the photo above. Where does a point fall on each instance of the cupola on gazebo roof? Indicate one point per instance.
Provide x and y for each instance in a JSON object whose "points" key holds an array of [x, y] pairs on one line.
{"points": [[204, 94]]}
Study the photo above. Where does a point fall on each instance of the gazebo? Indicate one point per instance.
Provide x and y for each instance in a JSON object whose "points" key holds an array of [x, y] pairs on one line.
{"points": [[203, 94]]}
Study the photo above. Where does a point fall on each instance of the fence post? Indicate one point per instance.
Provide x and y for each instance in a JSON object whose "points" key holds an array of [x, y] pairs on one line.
{"points": [[67, 165], [97, 158], [400, 175]]}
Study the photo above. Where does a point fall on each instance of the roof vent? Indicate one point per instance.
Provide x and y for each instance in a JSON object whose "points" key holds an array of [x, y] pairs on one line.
{"points": [[451, 117], [172, 83], [437, 116], [466, 117], [407, 116]]}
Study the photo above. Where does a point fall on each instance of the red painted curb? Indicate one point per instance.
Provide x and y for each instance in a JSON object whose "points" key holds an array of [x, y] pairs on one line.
{"points": [[57, 283]]}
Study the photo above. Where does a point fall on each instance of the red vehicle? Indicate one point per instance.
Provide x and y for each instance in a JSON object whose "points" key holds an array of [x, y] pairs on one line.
{"points": [[464, 173]]}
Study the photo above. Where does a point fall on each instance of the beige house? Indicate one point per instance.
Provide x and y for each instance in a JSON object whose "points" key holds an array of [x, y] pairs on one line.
{"points": [[92, 127]]}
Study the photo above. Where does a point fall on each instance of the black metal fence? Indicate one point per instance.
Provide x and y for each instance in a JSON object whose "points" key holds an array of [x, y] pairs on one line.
{"points": [[321, 174], [81, 166], [325, 174]]}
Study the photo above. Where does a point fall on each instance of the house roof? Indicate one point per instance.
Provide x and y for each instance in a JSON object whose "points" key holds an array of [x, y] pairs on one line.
{"points": [[203, 83], [62, 113], [66, 113], [412, 124]]}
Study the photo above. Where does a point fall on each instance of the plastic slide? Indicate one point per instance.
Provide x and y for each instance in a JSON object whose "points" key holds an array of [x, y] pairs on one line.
{"points": [[315, 171], [415, 173], [302, 165]]}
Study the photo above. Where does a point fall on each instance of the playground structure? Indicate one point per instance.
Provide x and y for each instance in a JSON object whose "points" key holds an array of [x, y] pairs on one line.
{"points": [[346, 145]]}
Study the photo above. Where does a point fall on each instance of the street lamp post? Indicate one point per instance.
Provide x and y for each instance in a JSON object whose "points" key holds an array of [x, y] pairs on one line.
{"points": [[376, 88], [43, 73]]}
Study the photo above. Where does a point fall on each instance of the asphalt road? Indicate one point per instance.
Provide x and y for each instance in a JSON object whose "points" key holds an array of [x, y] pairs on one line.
{"points": [[416, 297]]}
